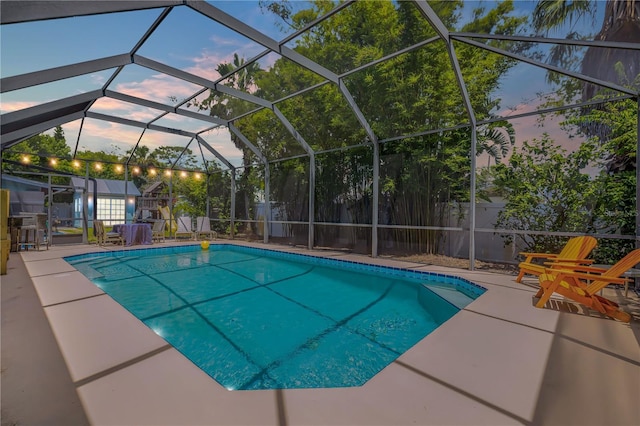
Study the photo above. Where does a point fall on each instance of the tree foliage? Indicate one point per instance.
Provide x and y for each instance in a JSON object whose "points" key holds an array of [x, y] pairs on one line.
{"points": [[411, 93], [546, 189], [615, 210]]}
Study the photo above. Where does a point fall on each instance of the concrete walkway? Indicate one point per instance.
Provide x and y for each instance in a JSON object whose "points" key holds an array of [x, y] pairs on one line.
{"points": [[499, 361]]}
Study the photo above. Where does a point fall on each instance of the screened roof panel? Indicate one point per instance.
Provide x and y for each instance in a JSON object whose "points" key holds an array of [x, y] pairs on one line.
{"points": [[48, 92], [394, 92], [342, 129], [175, 121], [220, 140], [507, 92], [70, 40], [259, 17], [276, 78], [105, 136], [278, 143], [121, 109], [385, 34], [191, 42], [155, 86], [350, 65], [590, 61], [226, 107]]}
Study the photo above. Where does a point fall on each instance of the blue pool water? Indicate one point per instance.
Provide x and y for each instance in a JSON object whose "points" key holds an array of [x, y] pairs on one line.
{"points": [[262, 319]]}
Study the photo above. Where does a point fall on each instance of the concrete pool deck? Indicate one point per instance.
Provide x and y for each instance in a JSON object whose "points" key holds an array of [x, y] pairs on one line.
{"points": [[72, 355]]}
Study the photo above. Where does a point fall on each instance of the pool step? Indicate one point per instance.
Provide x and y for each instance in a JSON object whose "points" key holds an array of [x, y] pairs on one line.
{"points": [[453, 296]]}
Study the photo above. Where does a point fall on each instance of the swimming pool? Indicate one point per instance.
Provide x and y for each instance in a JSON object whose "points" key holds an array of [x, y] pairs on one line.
{"points": [[264, 319]]}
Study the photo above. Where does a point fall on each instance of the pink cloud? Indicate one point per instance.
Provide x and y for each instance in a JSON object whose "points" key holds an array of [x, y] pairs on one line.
{"points": [[533, 127], [159, 88], [530, 127], [6, 107]]}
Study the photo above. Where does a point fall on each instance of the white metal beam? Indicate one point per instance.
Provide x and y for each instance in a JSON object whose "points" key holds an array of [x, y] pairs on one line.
{"points": [[553, 68], [48, 108], [212, 150], [22, 81], [163, 107], [11, 138], [134, 123], [183, 75], [312, 172], [248, 144], [16, 11], [433, 18], [251, 33], [546, 40]]}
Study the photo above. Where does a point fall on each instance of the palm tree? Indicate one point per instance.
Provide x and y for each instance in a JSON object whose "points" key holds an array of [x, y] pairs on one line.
{"points": [[496, 139], [241, 76], [621, 23]]}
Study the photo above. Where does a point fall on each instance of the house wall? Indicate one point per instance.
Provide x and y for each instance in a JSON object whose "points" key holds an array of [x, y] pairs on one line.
{"points": [[112, 210]]}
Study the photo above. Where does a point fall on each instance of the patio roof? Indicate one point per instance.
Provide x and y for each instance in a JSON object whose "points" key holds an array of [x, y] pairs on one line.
{"points": [[108, 187], [187, 122]]}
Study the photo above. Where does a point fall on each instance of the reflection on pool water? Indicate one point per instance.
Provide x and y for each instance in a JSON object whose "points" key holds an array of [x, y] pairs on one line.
{"points": [[262, 319]]}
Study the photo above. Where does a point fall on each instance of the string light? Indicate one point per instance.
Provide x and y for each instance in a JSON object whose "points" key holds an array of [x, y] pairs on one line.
{"points": [[118, 168]]}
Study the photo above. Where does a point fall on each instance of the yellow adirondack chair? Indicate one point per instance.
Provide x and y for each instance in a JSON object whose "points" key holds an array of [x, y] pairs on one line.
{"points": [[583, 286], [574, 252]]}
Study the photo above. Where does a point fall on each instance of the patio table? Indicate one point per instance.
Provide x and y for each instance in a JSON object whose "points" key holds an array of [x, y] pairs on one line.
{"points": [[134, 233]]}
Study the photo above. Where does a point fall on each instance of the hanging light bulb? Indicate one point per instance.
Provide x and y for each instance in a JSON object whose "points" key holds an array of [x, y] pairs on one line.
{"points": [[118, 168], [136, 170], [197, 175], [98, 166], [167, 173], [152, 172], [26, 159], [53, 162], [76, 164], [183, 174]]}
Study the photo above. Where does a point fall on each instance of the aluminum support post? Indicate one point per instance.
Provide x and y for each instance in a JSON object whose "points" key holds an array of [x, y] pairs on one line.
{"points": [[126, 178], [85, 206], [49, 211], [312, 193], [267, 204], [375, 201], [232, 229]]}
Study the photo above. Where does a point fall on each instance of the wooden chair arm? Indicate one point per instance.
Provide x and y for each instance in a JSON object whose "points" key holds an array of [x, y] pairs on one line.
{"points": [[560, 260], [586, 276], [578, 268], [538, 255]]}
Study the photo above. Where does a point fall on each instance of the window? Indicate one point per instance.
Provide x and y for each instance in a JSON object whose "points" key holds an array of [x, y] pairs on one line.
{"points": [[111, 210]]}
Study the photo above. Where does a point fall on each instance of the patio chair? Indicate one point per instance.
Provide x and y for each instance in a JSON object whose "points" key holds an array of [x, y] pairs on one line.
{"points": [[203, 227], [184, 228], [157, 231], [105, 237], [582, 286], [574, 253]]}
